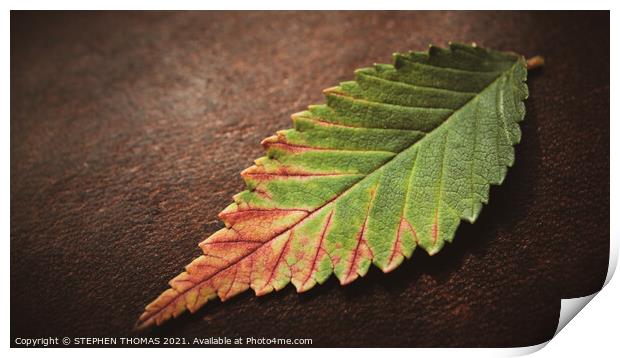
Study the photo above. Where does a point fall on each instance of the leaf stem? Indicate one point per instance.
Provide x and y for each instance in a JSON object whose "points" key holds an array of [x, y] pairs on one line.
{"points": [[535, 62]]}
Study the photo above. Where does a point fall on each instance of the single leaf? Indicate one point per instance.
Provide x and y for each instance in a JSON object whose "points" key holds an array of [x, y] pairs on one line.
{"points": [[394, 160]]}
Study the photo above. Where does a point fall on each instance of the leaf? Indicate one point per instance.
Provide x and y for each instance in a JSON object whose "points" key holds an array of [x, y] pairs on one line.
{"points": [[394, 160]]}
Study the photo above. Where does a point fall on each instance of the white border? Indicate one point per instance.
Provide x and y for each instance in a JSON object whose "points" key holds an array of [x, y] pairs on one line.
{"points": [[594, 330]]}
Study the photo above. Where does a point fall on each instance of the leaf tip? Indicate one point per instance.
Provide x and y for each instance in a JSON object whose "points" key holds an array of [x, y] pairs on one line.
{"points": [[433, 248], [141, 326], [296, 115], [330, 90], [433, 251], [271, 139], [393, 264]]}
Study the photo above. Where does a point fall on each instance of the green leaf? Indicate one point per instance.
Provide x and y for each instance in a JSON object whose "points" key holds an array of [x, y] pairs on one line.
{"points": [[394, 160]]}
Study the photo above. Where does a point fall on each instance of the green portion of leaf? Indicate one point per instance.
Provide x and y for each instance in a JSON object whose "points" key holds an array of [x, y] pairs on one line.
{"points": [[394, 160]]}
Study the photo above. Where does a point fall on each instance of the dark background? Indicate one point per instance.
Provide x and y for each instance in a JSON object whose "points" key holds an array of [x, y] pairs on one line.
{"points": [[128, 131]]}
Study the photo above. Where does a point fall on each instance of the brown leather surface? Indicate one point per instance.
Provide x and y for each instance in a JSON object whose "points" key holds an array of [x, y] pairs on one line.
{"points": [[128, 131]]}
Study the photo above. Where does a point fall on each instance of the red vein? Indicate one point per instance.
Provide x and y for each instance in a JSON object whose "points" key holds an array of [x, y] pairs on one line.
{"points": [[239, 259], [214, 256], [232, 282], [275, 266], [322, 122], [264, 193], [318, 248], [301, 175], [307, 147], [233, 242], [241, 211], [360, 236], [436, 226], [185, 280], [205, 265], [396, 243], [402, 212], [413, 231]]}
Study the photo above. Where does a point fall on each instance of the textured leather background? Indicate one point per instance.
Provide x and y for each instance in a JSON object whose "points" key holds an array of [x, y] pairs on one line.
{"points": [[128, 131]]}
